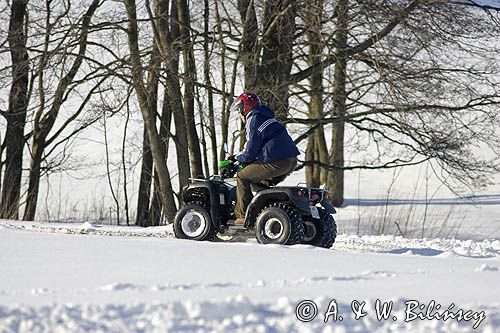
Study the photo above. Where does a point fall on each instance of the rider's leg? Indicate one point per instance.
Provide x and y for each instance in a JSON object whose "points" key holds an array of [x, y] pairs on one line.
{"points": [[254, 173]]}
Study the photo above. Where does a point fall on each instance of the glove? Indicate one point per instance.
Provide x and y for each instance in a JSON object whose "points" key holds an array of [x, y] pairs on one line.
{"points": [[230, 171], [232, 158], [239, 166], [225, 172]]}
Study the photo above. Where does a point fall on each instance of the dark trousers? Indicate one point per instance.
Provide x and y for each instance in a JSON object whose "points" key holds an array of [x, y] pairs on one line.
{"points": [[256, 172]]}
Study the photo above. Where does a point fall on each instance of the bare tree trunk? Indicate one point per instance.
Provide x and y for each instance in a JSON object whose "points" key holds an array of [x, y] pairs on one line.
{"points": [[155, 209], [108, 173], [248, 52], [224, 111], [163, 46], [311, 179], [37, 150], [44, 123], [248, 46], [169, 208], [124, 165], [206, 72], [168, 33], [144, 195], [144, 102], [144, 192], [16, 114], [203, 128], [336, 177], [316, 148], [189, 79], [276, 62], [2, 145]]}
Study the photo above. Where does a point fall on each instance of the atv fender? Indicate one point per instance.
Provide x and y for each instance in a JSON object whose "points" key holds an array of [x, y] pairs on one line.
{"points": [[328, 206], [281, 194], [209, 192]]}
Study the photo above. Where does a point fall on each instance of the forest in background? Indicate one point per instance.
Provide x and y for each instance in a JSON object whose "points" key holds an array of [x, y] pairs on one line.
{"points": [[408, 82]]}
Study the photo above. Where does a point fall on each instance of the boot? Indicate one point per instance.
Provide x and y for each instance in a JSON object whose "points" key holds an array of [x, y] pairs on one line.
{"points": [[239, 221]]}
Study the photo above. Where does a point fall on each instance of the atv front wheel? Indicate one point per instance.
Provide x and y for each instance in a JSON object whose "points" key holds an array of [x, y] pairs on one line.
{"points": [[320, 232], [193, 222], [279, 223]]}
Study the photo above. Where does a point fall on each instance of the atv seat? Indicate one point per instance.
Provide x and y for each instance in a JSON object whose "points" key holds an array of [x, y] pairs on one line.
{"points": [[263, 185]]}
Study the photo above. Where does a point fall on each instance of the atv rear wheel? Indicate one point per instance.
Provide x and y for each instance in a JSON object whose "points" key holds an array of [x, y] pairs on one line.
{"points": [[193, 222], [279, 223], [320, 232]]}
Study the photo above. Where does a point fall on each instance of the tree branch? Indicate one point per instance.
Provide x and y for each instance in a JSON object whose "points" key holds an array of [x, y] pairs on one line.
{"points": [[384, 32]]}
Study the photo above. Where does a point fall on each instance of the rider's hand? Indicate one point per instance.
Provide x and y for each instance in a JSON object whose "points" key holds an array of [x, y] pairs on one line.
{"points": [[225, 172], [228, 172], [232, 158]]}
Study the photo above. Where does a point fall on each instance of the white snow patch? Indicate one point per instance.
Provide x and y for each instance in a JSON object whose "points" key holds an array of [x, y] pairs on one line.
{"points": [[233, 315], [86, 226], [260, 283], [151, 282], [40, 291], [89, 228], [119, 286], [437, 247], [486, 268], [440, 247], [381, 274]]}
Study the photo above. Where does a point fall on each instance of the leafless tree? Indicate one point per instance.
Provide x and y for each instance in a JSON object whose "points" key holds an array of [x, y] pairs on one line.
{"points": [[16, 113], [415, 80], [407, 82], [46, 115]]}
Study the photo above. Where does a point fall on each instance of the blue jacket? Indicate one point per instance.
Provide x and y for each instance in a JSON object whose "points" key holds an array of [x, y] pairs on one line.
{"points": [[266, 139]]}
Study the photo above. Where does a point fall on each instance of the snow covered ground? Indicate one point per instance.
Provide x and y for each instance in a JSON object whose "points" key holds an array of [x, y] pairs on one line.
{"points": [[86, 277]]}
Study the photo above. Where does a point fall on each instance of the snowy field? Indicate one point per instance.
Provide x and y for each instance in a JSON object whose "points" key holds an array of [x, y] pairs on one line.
{"points": [[85, 277], [90, 276], [95, 277]]}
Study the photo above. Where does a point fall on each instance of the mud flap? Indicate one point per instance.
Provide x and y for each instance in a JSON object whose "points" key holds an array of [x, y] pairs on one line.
{"points": [[327, 204]]}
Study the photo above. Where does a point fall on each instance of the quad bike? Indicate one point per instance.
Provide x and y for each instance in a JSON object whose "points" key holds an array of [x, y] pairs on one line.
{"points": [[276, 215]]}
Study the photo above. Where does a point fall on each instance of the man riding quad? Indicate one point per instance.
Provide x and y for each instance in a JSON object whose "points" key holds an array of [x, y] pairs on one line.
{"points": [[213, 208], [269, 155]]}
